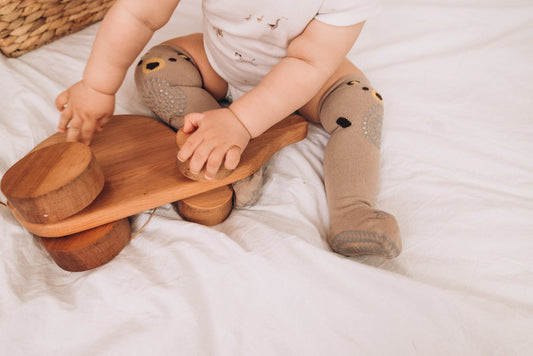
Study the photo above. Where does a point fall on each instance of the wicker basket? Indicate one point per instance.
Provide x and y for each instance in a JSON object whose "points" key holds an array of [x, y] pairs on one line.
{"points": [[29, 24]]}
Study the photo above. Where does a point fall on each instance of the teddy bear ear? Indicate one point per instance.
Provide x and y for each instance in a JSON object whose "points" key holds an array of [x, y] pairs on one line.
{"points": [[377, 95]]}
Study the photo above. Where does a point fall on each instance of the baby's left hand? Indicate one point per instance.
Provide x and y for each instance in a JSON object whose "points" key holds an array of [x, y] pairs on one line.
{"points": [[218, 136]]}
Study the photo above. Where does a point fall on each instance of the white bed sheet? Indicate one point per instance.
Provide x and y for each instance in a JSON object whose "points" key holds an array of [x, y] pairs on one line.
{"points": [[457, 171]]}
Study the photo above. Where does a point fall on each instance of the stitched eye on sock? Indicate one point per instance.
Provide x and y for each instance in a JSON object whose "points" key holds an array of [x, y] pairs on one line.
{"points": [[365, 88], [140, 63], [185, 57], [343, 122], [377, 95], [172, 59], [352, 82]]}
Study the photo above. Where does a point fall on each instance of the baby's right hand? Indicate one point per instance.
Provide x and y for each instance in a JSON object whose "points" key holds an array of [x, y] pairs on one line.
{"points": [[83, 111]]}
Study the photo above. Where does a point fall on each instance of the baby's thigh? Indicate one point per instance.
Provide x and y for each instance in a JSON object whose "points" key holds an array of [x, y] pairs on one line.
{"points": [[193, 45], [310, 110]]}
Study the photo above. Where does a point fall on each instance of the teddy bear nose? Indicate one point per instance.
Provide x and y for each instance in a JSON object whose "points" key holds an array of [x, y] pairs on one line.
{"points": [[152, 65]]}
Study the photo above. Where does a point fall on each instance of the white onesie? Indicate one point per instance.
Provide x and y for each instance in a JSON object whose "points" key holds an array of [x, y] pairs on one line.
{"points": [[244, 39]]}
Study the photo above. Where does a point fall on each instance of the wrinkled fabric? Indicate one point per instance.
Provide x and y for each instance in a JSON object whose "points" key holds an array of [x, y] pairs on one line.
{"points": [[456, 171]]}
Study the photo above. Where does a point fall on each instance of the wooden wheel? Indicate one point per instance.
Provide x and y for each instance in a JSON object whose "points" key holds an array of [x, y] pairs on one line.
{"points": [[89, 249], [209, 208]]}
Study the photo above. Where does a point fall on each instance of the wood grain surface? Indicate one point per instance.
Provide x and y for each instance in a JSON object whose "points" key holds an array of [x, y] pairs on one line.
{"points": [[91, 248], [138, 157], [209, 208], [53, 183]]}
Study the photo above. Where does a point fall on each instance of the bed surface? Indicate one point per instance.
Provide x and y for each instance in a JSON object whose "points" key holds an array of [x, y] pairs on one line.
{"points": [[457, 172]]}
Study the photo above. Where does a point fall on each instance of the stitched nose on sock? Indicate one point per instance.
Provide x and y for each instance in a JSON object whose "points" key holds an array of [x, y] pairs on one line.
{"points": [[343, 122], [152, 65]]}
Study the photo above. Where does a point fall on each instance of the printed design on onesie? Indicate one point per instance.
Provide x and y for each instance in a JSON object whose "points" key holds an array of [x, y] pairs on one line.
{"points": [[241, 59], [272, 25], [253, 19]]}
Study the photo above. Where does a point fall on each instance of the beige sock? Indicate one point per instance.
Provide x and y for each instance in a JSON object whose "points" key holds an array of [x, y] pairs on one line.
{"points": [[171, 85], [352, 111]]}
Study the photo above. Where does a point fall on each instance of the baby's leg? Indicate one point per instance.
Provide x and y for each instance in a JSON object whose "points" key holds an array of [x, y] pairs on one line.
{"points": [[174, 79], [170, 80], [352, 111]]}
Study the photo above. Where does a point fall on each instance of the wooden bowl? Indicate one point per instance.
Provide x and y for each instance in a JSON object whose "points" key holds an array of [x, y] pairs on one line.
{"points": [[53, 183]]}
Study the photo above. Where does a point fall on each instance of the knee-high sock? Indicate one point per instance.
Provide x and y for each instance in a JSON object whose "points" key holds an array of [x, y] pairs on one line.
{"points": [[352, 112]]}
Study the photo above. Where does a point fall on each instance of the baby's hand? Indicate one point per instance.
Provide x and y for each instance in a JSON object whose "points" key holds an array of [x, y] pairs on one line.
{"points": [[83, 111], [218, 135]]}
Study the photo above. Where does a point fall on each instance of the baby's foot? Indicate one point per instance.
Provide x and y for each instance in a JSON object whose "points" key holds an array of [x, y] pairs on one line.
{"points": [[366, 231], [247, 190]]}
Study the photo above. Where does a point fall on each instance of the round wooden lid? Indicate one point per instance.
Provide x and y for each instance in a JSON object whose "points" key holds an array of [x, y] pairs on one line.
{"points": [[53, 183]]}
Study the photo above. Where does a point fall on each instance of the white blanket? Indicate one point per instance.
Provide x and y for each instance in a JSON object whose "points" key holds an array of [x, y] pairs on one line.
{"points": [[457, 171]]}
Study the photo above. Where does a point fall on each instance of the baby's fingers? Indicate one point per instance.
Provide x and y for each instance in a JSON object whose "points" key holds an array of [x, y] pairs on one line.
{"points": [[64, 119], [74, 130], [200, 156], [213, 162], [192, 121], [87, 131], [62, 100], [188, 148], [102, 122], [233, 157]]}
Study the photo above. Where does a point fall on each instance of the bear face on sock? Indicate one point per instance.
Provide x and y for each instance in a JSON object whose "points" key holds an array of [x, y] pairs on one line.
{"points": [[338, 111], [170, 85]]}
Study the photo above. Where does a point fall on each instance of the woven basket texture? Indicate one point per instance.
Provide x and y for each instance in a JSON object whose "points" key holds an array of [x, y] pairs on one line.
{"points": [[29, 24]]}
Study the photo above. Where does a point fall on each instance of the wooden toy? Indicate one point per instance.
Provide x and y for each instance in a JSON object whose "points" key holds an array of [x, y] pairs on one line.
{"points": [[56, 190]]}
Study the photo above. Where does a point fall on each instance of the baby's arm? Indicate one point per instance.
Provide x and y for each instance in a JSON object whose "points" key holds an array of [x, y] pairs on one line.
{"points": [[125, 30], [311, 60]]}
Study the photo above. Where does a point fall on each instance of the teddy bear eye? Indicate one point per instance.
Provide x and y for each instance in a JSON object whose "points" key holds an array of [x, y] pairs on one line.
{"points": [[172, 59], [140, 62], [377, 95]]}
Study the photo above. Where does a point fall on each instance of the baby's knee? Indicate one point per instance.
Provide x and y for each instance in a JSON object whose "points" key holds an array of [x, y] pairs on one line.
{"points": [[171, 85], [169, 63], [352, 103]]}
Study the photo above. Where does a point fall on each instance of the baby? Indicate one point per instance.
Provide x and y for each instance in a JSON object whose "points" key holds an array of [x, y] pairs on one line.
{"points": [[268, 58]]}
